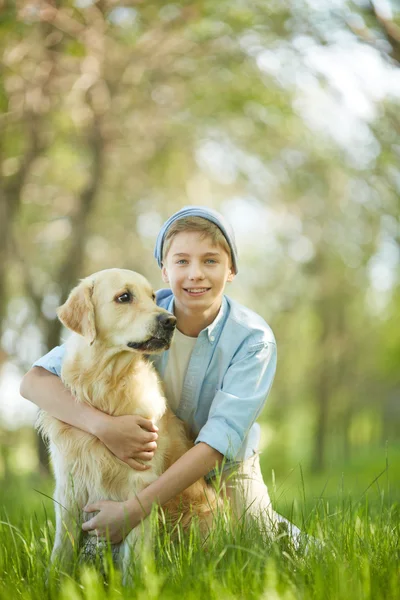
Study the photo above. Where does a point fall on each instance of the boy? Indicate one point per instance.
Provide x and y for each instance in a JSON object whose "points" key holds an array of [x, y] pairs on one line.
{"points": [[217, 373]]}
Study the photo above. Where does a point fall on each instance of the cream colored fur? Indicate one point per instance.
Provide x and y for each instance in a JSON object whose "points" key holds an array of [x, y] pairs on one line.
{"points": [[99, 368]]}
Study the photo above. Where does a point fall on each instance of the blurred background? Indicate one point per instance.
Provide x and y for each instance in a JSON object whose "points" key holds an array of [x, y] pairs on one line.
{"points": [[284, 116]]}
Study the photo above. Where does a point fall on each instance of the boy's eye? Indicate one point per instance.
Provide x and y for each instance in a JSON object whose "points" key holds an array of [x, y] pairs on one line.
{"points": [[181, 261], [211, 260]]}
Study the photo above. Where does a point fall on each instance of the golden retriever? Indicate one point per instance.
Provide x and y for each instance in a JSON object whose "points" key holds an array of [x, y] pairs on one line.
{"points": [[116, 323]]}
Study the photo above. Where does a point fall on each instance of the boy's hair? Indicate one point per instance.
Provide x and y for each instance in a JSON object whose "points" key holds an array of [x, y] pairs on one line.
{"points": [[203, 226]]}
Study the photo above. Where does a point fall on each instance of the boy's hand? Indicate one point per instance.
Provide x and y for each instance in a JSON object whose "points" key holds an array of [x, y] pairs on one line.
{"points": [[129, 437], [114, 520]]}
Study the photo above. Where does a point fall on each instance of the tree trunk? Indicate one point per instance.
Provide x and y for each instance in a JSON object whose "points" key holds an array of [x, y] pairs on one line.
{"points": [[322, 397]]}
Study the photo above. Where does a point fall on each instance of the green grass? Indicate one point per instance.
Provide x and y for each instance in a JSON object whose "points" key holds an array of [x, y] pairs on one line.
{"points": [[375, 470], [356, 517]]}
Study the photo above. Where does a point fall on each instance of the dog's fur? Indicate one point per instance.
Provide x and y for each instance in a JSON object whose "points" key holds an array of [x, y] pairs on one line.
{"points": [[116, 324]]}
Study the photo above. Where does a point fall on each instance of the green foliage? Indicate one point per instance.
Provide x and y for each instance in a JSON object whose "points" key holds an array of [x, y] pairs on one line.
{"points": [[114, 117], [283, 115]]}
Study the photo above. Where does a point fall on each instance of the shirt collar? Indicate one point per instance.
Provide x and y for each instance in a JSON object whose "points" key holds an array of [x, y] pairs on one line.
{"points": [[214, 328], [170, 307]]}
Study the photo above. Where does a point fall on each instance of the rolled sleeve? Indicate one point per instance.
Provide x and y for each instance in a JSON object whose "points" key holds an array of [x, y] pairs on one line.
{"points": [[52, 361], [241, 398]]}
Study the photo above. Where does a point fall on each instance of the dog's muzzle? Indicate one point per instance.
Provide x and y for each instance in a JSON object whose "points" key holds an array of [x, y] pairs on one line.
{"points": [[162, 336], [166, 321]]}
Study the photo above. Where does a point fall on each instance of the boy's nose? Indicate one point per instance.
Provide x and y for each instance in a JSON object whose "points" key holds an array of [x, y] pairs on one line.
{"points": [[196, 273]]}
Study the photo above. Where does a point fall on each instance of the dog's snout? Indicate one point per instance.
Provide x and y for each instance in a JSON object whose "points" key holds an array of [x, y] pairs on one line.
{"points": [[166, 320]]}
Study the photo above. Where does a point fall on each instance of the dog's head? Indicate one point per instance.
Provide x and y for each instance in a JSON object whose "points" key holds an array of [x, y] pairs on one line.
{"points": [[117, 308]]}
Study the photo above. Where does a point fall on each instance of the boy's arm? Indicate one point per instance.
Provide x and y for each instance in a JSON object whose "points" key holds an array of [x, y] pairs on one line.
{"points": [[246, 385], [124, 436], [116, 518], [239, 401], [195, 463], [48, 392]]}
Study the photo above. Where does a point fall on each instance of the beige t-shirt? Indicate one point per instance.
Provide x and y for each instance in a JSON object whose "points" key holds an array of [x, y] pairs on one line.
{"points": [[178, 361]]}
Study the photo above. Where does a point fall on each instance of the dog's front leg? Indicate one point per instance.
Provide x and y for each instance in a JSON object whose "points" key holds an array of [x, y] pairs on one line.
{"points": [[135, 548], [68, 508]]}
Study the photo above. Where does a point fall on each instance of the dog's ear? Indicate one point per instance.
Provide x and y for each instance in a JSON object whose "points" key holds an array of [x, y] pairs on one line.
{"points": [[77, 313]]}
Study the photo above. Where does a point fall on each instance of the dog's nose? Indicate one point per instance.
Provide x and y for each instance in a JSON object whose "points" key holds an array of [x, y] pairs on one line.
{"points": [[166, 320]]}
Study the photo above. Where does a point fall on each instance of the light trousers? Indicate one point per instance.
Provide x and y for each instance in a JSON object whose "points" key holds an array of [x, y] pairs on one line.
{"points": [[248, 494]]}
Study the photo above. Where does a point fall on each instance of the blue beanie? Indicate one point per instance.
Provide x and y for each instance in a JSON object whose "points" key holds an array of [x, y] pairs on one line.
{"points": [[206, 213]]}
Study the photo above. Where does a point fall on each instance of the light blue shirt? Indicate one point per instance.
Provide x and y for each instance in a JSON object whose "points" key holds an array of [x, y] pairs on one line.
{"points": [[229, 376]]}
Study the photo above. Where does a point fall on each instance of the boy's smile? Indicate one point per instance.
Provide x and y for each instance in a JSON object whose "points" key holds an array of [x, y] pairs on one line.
{"points": [[197, 272], [197, 291]]}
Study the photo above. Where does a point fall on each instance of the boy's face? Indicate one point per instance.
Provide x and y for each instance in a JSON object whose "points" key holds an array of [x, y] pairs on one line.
{"points": [[197, 271]]}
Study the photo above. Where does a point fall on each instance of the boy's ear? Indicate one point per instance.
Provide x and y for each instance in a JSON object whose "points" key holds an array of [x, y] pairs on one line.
{"points": [[164, 275], [77, 313], [231, 275]]}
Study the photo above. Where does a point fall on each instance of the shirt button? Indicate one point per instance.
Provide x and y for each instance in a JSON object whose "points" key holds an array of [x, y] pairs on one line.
{"points": [[212, 338]]}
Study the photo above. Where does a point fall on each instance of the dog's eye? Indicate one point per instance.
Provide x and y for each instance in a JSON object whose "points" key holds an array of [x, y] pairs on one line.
{"points": [[153, 297], [124, 298]]}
